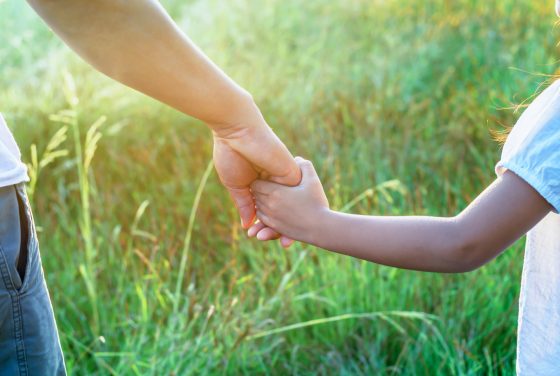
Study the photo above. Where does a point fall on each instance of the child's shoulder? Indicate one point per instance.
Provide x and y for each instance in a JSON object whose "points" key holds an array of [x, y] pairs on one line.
{"points": [[532, 149], [543, 112], [552, 93]]}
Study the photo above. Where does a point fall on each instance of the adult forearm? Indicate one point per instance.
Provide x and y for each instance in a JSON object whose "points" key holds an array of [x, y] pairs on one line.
{"points": [[419, 243], [138, 44]]}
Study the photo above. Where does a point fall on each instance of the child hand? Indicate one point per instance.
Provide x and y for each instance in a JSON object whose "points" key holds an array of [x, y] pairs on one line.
{"points": [[295, 212]]}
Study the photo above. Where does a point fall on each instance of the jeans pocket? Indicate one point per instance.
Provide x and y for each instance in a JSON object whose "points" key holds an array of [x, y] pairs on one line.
{"points": [[23, 258], [29, 343], [13, 251]]}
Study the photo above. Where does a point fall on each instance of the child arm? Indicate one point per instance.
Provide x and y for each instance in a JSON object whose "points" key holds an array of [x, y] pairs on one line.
{"points": [[501, 214]]}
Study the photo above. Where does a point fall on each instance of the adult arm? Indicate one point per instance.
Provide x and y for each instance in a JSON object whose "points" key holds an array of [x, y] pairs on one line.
{"points": [[138, 44]]}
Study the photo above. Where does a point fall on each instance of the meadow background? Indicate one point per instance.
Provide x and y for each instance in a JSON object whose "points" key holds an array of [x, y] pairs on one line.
{"points": [[148, 269]]}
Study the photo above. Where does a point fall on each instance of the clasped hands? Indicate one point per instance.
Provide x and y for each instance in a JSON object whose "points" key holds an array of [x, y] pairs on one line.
{"points": [[276, 195]]}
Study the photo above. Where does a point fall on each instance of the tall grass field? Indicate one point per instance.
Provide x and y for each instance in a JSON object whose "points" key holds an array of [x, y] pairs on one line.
{"points": [[394, 101]]}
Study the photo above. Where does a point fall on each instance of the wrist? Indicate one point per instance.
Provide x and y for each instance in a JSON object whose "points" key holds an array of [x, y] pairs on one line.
{"points": [[241, 116], [322, 226]]}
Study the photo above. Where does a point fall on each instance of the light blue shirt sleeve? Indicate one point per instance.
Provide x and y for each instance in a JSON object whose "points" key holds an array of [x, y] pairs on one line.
{"points": [[532, 150]]}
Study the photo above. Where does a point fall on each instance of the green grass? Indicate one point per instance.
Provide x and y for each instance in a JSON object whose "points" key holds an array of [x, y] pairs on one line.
{"points": [[392, 100]]}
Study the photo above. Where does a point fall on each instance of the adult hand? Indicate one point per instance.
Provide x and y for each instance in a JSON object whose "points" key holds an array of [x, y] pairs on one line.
{"points": [[248, 150], [174, 71]]}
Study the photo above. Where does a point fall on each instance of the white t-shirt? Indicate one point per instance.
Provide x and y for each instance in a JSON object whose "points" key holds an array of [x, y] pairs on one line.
{"points": [[12, 170], [532, 151]]}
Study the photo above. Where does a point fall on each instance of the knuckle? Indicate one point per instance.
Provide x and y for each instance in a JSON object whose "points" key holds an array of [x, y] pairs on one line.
{"points": [[273, 205], [275, 196]]}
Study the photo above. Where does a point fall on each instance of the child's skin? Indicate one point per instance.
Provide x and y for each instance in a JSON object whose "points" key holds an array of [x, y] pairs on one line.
{"points": [[499, 216], [503, 213]]}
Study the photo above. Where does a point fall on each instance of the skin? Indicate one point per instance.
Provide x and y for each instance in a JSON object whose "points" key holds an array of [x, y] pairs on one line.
{"points": [[499, 216], [138, 44]]}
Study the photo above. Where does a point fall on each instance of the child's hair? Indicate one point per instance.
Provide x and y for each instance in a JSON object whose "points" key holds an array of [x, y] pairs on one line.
{"points": [[501, 135]]}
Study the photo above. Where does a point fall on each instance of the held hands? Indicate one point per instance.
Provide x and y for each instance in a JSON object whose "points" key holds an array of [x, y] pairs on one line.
{"points": [[295, 212], [249, 150], [262, 178]]}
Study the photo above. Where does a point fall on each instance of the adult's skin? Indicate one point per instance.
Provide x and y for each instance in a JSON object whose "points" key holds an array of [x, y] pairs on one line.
{"points": [[138, 44]]}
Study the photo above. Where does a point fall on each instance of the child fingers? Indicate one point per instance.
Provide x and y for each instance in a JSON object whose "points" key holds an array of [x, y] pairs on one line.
{"points": [[255, 228], [267, 234], [261, 231], [307, 169], [261, 201], [262, 187], [286, 242], [264, 217]]}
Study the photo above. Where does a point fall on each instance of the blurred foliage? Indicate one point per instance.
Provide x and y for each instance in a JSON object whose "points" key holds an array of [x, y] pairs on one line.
{"points": [[392, 100]]}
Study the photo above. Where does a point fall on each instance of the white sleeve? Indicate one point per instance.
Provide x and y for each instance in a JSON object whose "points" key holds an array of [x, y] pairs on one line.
{"points": [[532, 150]]}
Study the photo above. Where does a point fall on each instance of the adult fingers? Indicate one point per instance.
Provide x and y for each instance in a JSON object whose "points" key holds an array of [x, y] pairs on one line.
{"points": [[245, 204]]}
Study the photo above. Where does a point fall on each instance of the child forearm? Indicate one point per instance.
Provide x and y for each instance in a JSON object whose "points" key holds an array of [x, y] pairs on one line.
{"points": [[501, 214], [419, 243]]}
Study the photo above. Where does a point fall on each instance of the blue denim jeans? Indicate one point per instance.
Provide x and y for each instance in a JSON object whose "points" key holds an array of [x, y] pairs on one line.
{"points": [[29, 343]]}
